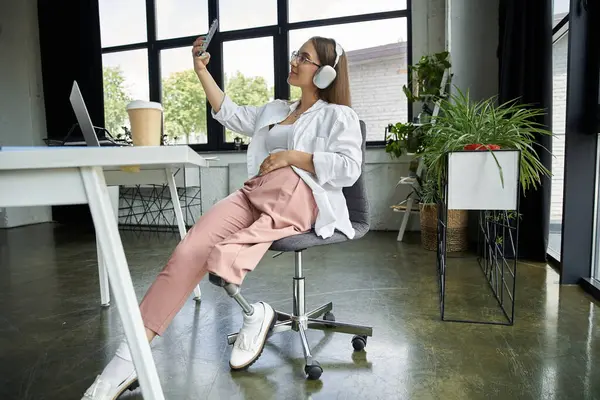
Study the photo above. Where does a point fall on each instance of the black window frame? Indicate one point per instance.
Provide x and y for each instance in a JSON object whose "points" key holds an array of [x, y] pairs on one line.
{"points": [[279, 33]]}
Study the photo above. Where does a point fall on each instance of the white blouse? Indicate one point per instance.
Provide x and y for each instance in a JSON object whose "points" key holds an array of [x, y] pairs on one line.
{"points": [[330, 132]]}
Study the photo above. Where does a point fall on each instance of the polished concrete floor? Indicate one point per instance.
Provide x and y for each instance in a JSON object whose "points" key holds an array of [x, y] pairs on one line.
{"points": [[55, 338]]}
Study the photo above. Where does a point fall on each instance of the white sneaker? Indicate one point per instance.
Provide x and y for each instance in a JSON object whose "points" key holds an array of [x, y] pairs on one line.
{"points": [[103, 390], [252, 337]]}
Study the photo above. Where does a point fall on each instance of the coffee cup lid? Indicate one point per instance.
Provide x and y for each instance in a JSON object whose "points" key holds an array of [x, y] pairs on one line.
{"points": [[137, 104]]}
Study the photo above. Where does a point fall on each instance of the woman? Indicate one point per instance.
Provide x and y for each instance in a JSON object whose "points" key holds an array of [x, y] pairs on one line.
{"points": [[301, 156]]}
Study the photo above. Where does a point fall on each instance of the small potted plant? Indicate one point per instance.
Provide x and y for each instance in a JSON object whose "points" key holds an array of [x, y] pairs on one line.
{"points": [[425, 81]]}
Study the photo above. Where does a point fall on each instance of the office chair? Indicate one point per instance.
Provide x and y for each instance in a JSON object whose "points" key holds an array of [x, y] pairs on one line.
{"points": [[300, 320]]}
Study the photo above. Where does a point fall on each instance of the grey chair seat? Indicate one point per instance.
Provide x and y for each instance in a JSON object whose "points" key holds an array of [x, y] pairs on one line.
{"points": [[304, 241]]}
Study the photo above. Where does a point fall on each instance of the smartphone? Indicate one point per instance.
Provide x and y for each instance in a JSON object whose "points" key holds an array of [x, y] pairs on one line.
{"points": [[209, 36]]}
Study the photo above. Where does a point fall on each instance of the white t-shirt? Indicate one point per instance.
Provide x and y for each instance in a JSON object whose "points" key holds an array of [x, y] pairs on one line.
{"points": [[277, 138]]}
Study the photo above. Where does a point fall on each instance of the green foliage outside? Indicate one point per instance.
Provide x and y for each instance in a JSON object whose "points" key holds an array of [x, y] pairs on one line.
{"points": [[115, 99], [184, 101], [246, 91]]}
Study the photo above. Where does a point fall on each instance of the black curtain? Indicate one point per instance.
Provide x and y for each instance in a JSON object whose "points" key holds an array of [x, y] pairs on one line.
{"points": [[70, 50], [525, 73]]}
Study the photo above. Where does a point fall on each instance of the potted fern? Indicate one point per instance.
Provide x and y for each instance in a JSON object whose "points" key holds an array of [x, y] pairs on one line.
{"points": [[470, 127]]}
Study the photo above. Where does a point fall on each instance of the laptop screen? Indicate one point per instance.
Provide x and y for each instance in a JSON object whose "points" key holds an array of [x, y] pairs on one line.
{"points": [[83, 117]]}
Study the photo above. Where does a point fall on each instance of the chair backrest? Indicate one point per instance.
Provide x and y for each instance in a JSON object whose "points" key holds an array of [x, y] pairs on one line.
{"points": [[356, 195]]}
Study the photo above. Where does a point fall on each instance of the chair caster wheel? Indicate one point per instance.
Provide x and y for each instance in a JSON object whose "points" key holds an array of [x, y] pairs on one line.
{"points": [[313, 371], [359, 342], [329, 317]]}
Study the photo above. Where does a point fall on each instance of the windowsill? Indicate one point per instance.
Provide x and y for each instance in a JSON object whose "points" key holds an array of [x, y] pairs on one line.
{"points": [[374, 155]]}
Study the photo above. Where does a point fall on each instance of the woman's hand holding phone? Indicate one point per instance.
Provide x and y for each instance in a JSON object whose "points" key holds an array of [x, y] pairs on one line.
{"points": [[213, 93], [201, 61]]}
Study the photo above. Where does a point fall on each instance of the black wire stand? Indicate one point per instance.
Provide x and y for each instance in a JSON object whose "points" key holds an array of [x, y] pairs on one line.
{"points": [[497, 255], [150, 208]]}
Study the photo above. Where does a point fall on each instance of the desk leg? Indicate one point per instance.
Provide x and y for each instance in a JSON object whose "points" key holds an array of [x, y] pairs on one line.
{"points": [[103, 276], [120, 280], [113, 191], [179, 216]]}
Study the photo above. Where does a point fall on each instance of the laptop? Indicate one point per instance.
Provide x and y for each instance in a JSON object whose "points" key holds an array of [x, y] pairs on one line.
{"points": [[83, 117]]}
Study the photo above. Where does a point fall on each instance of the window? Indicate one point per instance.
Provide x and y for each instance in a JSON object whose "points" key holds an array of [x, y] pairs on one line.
{"points": [[125, 78], [146, 46], [377, 61], [183, 99], [122, 22], [175, 18], [559, 111], [304, 10], [236, 14], [248, 79], [560, 9]]}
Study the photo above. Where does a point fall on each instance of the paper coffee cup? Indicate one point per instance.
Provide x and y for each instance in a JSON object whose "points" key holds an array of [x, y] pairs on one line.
{"points": [[145, 118]]}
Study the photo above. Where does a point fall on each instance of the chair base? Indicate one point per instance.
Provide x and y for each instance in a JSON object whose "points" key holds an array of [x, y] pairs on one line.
{"points": [[302, 323], [300, 320]]}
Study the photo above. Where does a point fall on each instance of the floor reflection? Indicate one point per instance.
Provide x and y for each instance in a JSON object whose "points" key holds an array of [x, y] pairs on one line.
{"points": [[55, 337]]}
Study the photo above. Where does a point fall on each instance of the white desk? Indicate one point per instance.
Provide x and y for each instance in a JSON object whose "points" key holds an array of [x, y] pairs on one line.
{"points": [[157, 175], [59, 176]]}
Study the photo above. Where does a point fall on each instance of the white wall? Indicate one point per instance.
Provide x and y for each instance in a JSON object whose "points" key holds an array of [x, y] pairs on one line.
{"points": [[22, 117], [473, 43]]}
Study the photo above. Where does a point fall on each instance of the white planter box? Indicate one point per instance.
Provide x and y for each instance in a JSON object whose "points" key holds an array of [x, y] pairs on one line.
{"points": [[474, 180]]}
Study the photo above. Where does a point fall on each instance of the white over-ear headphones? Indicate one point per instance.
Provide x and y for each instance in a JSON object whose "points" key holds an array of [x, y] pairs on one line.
{"points": [[326, 74]]}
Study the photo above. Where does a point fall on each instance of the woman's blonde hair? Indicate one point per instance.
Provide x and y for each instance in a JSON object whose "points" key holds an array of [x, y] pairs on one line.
{"points": [[339, 90]]}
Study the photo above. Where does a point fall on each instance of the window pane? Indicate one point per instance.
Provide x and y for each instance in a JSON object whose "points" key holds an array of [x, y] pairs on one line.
{"points": [[559, 111], [560, 9], [183, 99], [305, 10], [125, 78], [377, 65], [176, 18], [235, 14], [249, 74], [122, 22]]}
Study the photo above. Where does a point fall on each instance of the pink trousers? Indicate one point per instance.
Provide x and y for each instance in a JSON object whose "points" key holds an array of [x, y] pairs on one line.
{"points": [[230, 240]]}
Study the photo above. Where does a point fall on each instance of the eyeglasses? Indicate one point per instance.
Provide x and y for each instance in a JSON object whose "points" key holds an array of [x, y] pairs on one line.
{"points": [[301, 59]]}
